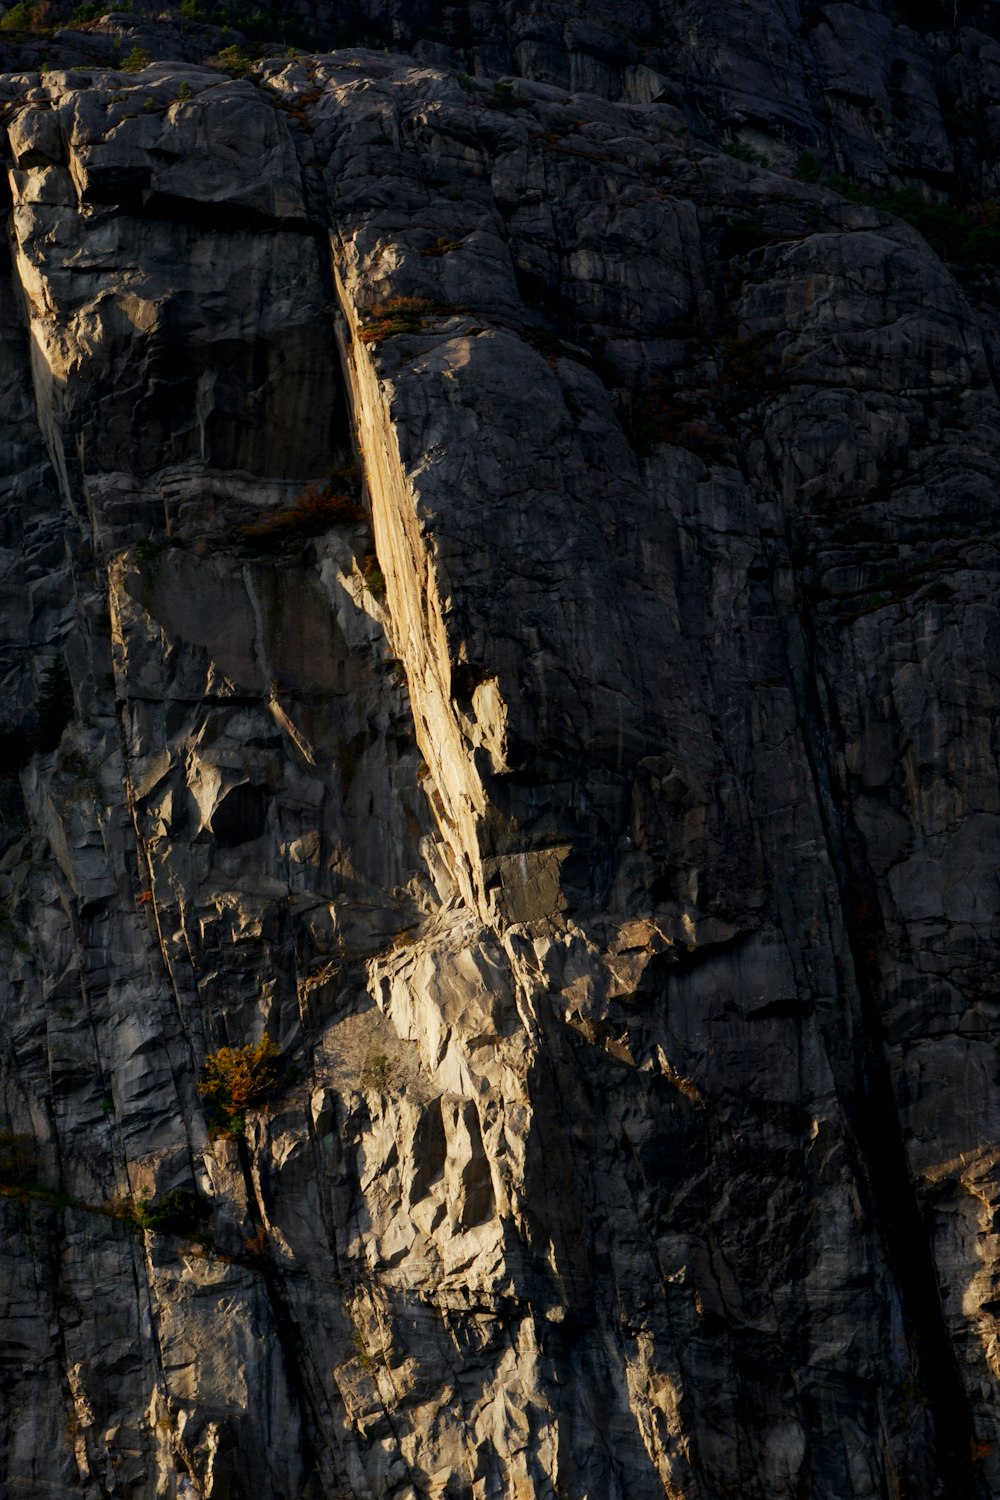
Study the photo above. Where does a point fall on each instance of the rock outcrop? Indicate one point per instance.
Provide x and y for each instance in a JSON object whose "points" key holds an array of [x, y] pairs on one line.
{"points": [[499, 595]]}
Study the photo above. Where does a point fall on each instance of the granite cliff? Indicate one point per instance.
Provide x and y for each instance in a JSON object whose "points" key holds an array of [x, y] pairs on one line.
{"points": [[498, 594]]}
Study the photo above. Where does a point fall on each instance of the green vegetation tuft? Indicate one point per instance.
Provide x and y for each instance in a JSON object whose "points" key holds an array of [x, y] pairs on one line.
{"points": [[56, 706], [149, 552], [397, 315], [967, 236], [808, 167], [235, 60], [93, 10], [372, 574], [55, 711], [376, 1072], [180, 1211], [361, 1350], [740, 152], [22, 17], [136, 61], [258, 23]]}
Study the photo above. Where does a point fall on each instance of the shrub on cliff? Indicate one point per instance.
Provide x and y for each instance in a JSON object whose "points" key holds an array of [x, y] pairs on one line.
{"points": [[56, 706], [56, 709], [237, 1078], [967, 236], [397, 315], [137, 60], [235, 60], [38, 18], [180, 1211], [90, 10], [316, 510]]}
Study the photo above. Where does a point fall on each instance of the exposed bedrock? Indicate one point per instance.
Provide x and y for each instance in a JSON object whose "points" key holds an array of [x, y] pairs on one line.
{"points": [[890, 94], [500, 596]]}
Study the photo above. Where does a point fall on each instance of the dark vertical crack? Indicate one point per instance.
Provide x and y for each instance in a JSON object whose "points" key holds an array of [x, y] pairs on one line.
{"points": [[868, 1099], [317, 1454]]}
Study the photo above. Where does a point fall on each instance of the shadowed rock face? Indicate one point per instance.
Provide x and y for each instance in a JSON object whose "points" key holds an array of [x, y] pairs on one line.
{"points": [[597, 804], [888, 93]]}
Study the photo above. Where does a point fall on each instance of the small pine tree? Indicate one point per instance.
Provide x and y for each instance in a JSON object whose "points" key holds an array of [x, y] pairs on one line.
{"points": [[56, 706]]}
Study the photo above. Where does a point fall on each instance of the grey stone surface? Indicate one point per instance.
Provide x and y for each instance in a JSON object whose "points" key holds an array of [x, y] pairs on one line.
{"points": [[604, 827]]}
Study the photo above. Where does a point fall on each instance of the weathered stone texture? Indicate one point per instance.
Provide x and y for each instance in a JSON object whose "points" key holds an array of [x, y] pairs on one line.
{"points": [[604, 826]]}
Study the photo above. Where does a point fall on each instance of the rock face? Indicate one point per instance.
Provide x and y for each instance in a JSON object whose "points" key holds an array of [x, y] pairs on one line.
{"points": [[500, 595]]}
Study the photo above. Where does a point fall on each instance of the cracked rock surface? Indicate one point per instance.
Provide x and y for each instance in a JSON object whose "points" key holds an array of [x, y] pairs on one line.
{"points": [[500, 596]]}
